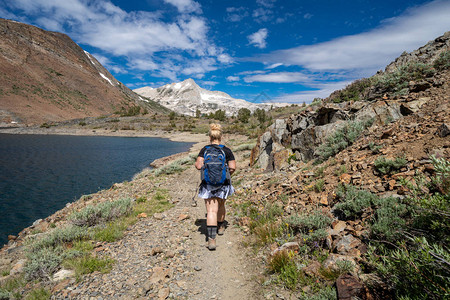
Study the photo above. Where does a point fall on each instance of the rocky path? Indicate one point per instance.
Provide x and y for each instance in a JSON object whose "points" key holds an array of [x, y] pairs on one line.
{"points": [[164, 256]]}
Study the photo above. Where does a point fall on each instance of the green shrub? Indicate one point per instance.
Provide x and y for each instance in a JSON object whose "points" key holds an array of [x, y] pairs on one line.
{"points": [[111, 231], [89, 264], [176, 166], [319, 185], [284, 265], [353, 92], [389, 166], [5, 272], [4, 294], [417, 269], [308, 222], [355, 201], [244, 147], [327, 293], [59, 236], [42, 263], [38, 294], [389, 218], [443, 61], [102, 212], [397, 81], [441, 181], [342, 138]]}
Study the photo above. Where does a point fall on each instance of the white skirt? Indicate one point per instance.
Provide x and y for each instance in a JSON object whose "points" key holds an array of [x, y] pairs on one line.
{"points": [[206, 191]]}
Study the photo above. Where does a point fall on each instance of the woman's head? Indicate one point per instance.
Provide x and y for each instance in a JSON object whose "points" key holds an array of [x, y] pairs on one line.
{"points": [[215, 132]]}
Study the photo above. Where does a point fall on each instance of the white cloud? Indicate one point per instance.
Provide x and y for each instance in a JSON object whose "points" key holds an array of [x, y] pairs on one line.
{"points": [[266, 3], [320, 91], [144, 39], [307, 16], [185, 6], [224, 58], [279, 77], [262, 14], [232, 78], [273, 66], [258, 38], [236, 14], [372, 50]]}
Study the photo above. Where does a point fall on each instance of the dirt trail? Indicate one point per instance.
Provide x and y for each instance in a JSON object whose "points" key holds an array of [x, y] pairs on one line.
{"points": [[222, 273], [164, 256]]}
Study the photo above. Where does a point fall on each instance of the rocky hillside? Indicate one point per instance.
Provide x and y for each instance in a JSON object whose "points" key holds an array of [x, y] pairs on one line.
{"points": [[187, 97], [355, 198], [45, 76]]}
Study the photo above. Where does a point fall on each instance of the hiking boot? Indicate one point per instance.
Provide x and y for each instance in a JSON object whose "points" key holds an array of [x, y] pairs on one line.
{"points": [[221, 229], [212, 244]]}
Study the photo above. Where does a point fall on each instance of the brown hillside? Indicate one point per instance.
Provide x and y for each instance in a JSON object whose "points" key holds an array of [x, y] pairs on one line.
{"points": [[45, 76]]}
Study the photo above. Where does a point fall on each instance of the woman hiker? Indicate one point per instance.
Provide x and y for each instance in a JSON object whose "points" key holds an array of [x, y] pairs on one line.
{"points": [[216, 163]]}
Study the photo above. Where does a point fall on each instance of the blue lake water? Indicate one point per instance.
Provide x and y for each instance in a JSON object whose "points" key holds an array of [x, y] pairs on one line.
{"points": [[39, 174]]}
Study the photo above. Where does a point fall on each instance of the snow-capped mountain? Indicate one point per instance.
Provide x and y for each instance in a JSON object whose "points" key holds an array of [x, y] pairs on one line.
{"points": [[186, 97]]}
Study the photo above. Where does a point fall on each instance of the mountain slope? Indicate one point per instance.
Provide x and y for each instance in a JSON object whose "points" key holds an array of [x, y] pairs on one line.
{"points": [[45, 76], [186, 97]]}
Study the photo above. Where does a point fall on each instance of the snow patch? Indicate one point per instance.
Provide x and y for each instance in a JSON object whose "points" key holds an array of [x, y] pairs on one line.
{"points": [[104, 77], [89, 56]]}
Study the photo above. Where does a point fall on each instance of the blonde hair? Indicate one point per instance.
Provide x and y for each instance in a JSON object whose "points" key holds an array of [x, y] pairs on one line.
{"points": [[215, 132]]}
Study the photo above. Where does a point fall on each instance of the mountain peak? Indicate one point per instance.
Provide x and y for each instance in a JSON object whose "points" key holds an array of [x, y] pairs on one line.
{"points": [[187, 97]]}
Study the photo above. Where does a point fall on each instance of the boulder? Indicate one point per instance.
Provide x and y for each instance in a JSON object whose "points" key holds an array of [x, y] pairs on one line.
{"points": [[347, 243], [348, 287], [63, 274], [443, 130], [331, 262]]}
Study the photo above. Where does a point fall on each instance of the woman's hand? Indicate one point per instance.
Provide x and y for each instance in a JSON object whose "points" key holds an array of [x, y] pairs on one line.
{"points": [[232, 166], [199, 163]]}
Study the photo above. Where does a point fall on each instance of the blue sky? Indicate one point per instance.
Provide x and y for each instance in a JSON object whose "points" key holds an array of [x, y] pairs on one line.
{"points": [[291, 51]]}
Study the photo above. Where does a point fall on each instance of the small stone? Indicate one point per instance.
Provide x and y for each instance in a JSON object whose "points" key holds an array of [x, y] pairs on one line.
{"points": [[197, 268], [18, 267], [170, 254], [156, 250], [63, 274], [186, 234], [12, 237], [443, 130], [182, 217], [347, 243], [163, 293], [142, 215], [158, 216], [345, 178]]}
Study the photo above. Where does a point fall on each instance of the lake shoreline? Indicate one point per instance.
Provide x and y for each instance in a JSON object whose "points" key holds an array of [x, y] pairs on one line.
{"points": [[197, 140]]}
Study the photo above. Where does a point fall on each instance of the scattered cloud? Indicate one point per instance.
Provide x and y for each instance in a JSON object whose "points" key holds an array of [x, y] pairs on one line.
{"points": [[370, 50], [258, 38], [233, 78], [307, 16], [185, 6], [266, 3], [146, 40], [273, 66], [279, 77], [322, 90], [262, 14], [236, 14]]}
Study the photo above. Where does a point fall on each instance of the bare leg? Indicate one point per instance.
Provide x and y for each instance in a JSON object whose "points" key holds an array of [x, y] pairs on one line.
{"points": [[212, 207], [221, 211]]}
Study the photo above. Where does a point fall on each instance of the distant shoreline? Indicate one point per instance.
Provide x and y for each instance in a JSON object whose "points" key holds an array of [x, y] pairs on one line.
{"points": [[195, 138]]}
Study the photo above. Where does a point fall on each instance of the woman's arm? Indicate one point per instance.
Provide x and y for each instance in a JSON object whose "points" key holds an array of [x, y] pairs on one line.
{"points": [[232, 166], [199, 162]]}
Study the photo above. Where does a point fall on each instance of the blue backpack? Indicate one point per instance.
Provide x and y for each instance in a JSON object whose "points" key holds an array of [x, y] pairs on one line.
{"points": [[215, 168]]}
